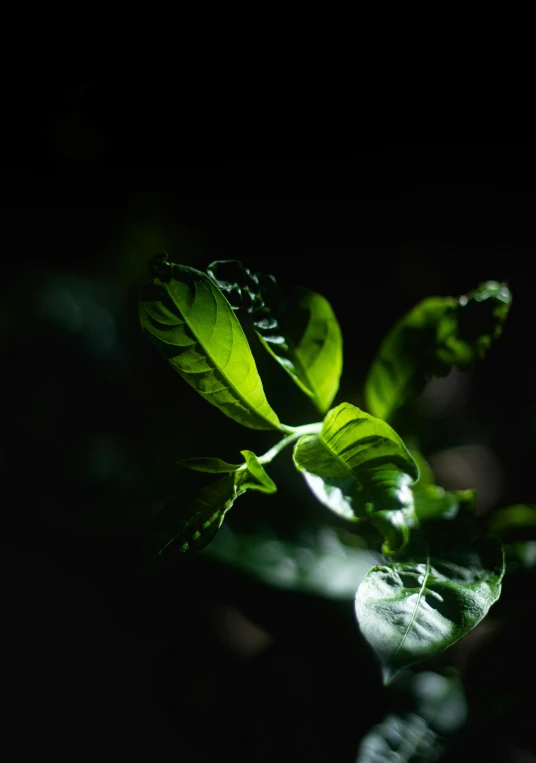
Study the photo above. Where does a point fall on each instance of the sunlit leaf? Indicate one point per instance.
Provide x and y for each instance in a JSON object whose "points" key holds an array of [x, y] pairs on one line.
{"points": [[438, 334], [255, 477], [299, 329], [195, 328], [359, 468], [434, 592]]}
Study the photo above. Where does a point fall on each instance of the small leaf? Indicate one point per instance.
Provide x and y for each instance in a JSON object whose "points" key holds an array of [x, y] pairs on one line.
{"points": [[195, 328], [359, 468], [255, 477], [436, 591], [299, 329], [208, 464], [514, 523], [438, 334]]}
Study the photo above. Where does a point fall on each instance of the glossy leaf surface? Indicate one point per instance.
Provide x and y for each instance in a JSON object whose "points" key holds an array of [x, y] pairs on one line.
{"points": [[431, 595], [298, 329], [359, 467], [438, 334], [195, 328]]}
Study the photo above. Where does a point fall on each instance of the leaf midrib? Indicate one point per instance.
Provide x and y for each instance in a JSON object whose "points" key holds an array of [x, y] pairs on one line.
{"points": [[208, 355], [417, 603]]}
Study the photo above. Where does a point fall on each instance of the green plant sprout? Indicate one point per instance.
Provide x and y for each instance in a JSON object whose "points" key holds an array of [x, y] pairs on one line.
{"points": [[441, 569]]}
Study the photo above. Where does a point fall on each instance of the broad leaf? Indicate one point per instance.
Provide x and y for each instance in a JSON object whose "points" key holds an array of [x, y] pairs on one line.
{"points": [[192, 521], [196, 329], [208, 464], [359, 468], [439, 334], [431, 595], [299, 329]]}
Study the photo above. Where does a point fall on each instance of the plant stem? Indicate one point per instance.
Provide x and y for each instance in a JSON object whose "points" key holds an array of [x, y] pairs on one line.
{"points": [[296, 433]]}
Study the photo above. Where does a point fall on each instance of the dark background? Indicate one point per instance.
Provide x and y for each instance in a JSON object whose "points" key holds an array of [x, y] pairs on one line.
{"points": [[96, 180]]}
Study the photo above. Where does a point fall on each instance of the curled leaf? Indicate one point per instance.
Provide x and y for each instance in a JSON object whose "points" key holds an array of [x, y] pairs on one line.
{"points": [[298, 329], [359, 468]]}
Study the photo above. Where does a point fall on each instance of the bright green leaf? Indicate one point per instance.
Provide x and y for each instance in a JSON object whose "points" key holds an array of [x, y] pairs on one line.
{"points": [[255, 477], [196, 329], [299, 329], [359, 468], [208, 464], [438, 334], [436, 591]]}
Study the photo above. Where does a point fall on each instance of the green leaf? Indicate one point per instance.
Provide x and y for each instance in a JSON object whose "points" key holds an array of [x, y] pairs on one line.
{"points": [[299, 329], [191, 522], [404, 738], [208, 464], [195, 328], [439, 334], [514, 523], [359, 468], [436, 591], [255, 477]]}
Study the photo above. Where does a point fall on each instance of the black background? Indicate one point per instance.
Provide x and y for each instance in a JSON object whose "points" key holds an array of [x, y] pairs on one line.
{"points": [[95, 180]]}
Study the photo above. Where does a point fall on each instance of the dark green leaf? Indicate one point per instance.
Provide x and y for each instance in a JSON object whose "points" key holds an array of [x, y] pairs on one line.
{"points": [[359, 468], [514, 523], [192, 521], [208, 464], [195, 328], [437, 590], [439, 334], [298, 329]]}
